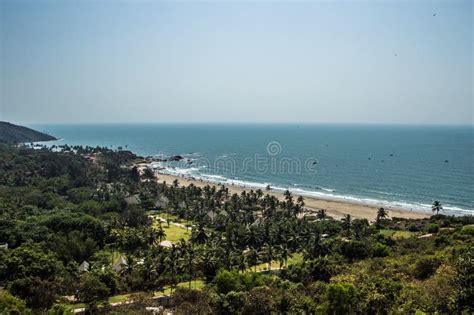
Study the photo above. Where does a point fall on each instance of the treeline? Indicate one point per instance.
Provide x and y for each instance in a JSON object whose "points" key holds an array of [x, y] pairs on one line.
{"points": [[59, 209]]}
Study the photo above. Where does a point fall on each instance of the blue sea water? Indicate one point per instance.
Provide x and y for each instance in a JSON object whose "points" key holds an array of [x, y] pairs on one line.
{"points": [[403, 166]]}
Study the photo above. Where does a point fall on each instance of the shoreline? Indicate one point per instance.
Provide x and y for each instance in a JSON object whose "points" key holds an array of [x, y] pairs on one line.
{"points": [[335, 208]]}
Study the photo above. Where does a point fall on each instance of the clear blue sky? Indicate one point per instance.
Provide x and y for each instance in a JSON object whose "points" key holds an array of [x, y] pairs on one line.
{"points": [[103, 61]]}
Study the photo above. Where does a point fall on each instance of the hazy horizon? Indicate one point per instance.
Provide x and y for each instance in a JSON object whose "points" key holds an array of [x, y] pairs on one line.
{"points": [[188, 62]]}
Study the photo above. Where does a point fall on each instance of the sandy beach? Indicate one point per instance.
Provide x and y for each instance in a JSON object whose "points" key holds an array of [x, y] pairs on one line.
{"points": [[335, 208]]}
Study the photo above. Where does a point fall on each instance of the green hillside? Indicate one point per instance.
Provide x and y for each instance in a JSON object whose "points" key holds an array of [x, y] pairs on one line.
{"points": [[11, 133]]}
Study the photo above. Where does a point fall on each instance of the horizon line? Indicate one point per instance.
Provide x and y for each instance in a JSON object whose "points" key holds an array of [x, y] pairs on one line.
{"points": [[246, 123]]}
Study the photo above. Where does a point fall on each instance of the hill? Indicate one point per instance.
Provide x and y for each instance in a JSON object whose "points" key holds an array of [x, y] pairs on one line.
{"points": [[11, 133]]}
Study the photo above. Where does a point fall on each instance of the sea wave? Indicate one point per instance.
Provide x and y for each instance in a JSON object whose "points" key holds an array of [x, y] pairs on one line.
{"points": [[180, 171], [327, 189]]}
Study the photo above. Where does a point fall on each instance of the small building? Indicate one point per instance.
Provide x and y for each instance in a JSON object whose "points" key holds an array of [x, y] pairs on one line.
{"points": [[119, 264], [84, 267], [212, 215], [154, 310], [162, 203], [167, 244], [133, 200]]}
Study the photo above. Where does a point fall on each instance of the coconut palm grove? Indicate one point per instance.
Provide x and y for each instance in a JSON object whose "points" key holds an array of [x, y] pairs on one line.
{"points": [[82, 230]]}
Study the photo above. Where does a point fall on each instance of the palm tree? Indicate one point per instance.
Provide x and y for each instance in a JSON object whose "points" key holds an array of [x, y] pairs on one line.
{"points": [[189, 259], [381, 214], [170, 262], [300, 201], [436, 206], [288, 197], [315, 247], [346, 224], [322, 214], [160, 233], [283, 253], [252, 256], [199, 235], [241, 261]]}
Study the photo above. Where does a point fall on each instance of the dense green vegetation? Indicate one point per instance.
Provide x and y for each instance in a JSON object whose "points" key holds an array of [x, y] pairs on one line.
{"points": [[10, 133], [58, 209]]}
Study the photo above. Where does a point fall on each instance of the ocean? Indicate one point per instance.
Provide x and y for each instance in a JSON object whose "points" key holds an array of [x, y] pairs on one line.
{"points": [[389, 165]]}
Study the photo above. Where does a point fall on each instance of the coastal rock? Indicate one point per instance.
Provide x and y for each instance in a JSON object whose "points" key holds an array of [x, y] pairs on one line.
{"points": [[175, 158]]}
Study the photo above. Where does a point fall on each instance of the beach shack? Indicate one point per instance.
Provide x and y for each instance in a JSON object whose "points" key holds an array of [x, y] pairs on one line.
{"points": [[133, 200], [119, 264], [166, 244], [84, 267]]}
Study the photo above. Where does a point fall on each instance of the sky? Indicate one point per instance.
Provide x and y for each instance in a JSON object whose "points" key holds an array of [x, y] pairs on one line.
{"points": [[407, 62]]}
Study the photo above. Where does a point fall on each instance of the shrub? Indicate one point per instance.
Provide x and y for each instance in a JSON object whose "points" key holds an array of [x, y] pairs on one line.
{"points": [[227, 281], [433, 228], [339, 299], [189, 301], [12, 305], [426, 267], [319, 269], [232, 303], [468, 230], [463, 282], [58, 309], [322, 269], [260, 301], [380, 250], [92, 289], [354, 250], [441, 240]]}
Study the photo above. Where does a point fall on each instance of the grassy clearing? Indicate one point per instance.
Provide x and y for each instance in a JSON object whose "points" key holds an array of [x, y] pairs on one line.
{"points": [[469, 229], [175, 233], [397, 234], [295, 258], [172, 217], [119, 298], [71, 307], [196, 285]]}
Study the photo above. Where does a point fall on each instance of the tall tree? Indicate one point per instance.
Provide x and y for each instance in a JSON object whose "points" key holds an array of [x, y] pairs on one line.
{"points": [[322, 214], [347, 224], [436, 207], [381, 214]]}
